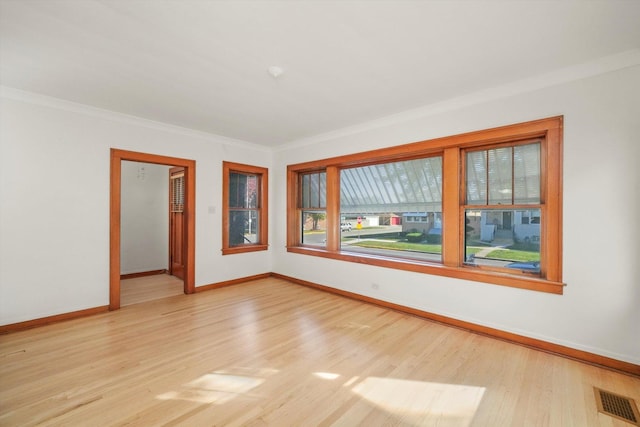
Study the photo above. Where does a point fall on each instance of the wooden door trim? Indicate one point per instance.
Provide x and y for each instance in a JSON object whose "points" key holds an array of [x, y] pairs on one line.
{"points": [[117, 156]]}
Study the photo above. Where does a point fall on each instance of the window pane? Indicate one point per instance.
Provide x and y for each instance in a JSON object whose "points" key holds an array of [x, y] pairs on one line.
{"points": [[506, 238], [244, 227], [243, 190], [314, 190], [237, 186], [526, 171], [252, 192], [504, 176], [499, 174], [314, 231], [393, 209], [322, 185], [306, 194], [477, 178]]}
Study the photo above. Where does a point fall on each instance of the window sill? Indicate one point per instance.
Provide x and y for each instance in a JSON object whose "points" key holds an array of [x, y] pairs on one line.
{"points": [[464, 273], [243, 249]]}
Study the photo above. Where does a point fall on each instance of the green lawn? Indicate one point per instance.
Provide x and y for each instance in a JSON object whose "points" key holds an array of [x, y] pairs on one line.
{"points": [[472, 250], [324, 231], [506, 254], [399, 246], [514, 255]]}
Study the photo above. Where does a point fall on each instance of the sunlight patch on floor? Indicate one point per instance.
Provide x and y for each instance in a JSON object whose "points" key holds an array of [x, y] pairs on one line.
{"points": [[412, 401], [422, 400], [326, 375], [218, 387]]}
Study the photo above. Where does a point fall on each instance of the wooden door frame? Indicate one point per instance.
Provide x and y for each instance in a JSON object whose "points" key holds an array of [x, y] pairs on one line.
{"points": [[117, 156]]}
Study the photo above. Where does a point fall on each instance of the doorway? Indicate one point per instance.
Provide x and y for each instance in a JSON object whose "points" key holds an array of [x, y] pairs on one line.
{"points": [[187, 216]]}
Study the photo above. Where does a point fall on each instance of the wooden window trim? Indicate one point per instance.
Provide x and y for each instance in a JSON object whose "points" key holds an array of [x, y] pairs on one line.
{"points": [[263, 210], [451, 149]]}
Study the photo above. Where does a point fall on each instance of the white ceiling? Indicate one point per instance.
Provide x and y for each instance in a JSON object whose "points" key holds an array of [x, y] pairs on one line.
{"points": [[203, 64]]}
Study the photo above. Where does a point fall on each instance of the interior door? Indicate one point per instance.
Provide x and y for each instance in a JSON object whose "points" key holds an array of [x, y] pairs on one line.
{"points": [[176, 222]]}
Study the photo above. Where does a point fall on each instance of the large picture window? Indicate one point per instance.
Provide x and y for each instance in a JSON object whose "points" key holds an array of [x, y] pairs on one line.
{"points": [[483, 206], [393, 209], [245, 208]]}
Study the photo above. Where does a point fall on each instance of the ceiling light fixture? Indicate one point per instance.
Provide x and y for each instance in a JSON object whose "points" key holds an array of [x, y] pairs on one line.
{"points": [[275, 71]]}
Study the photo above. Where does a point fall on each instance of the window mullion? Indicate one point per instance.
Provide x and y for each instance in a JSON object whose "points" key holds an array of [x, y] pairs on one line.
{"points": [[451, 207], [513, 175], [551, 199], [333, 209]]}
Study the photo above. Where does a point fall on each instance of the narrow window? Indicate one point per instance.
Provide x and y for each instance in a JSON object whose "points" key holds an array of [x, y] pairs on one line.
{"points": [[244, 208], [502, 196], [312, 208]]}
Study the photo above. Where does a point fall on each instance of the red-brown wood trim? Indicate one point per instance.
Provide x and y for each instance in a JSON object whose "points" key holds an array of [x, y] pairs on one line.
{"points": [[263, 191], [466, 273], [114, 230], [450, 203], [333, 209], [232, 282], [553, 204], [243, 249], [293, 219], [526, 130], [536, 344], [142, 274], [29, 324], [117, 156], [190, 265], [560, 350], [549, 130]]}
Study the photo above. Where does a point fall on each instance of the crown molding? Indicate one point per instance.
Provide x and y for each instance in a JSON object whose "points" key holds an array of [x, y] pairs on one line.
{"points": [[585, 70], [75, 107], [593, 68]]}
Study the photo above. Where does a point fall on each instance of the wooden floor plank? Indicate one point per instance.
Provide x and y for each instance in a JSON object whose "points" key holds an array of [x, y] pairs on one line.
{"points": [[149, 288], [272, 353]]}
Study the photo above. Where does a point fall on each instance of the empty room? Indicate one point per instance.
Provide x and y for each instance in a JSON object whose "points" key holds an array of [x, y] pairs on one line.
{"points": [[319, 213]]}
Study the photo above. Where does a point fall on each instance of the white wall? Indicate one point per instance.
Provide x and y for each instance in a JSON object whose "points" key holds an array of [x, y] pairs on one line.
{"points": [[600, 309], [144, 217], [54, 209], [54, 212]]}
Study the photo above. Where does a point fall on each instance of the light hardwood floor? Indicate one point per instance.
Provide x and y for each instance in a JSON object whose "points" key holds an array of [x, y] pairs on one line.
{"points": [[149, 288], [272, 353]]}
